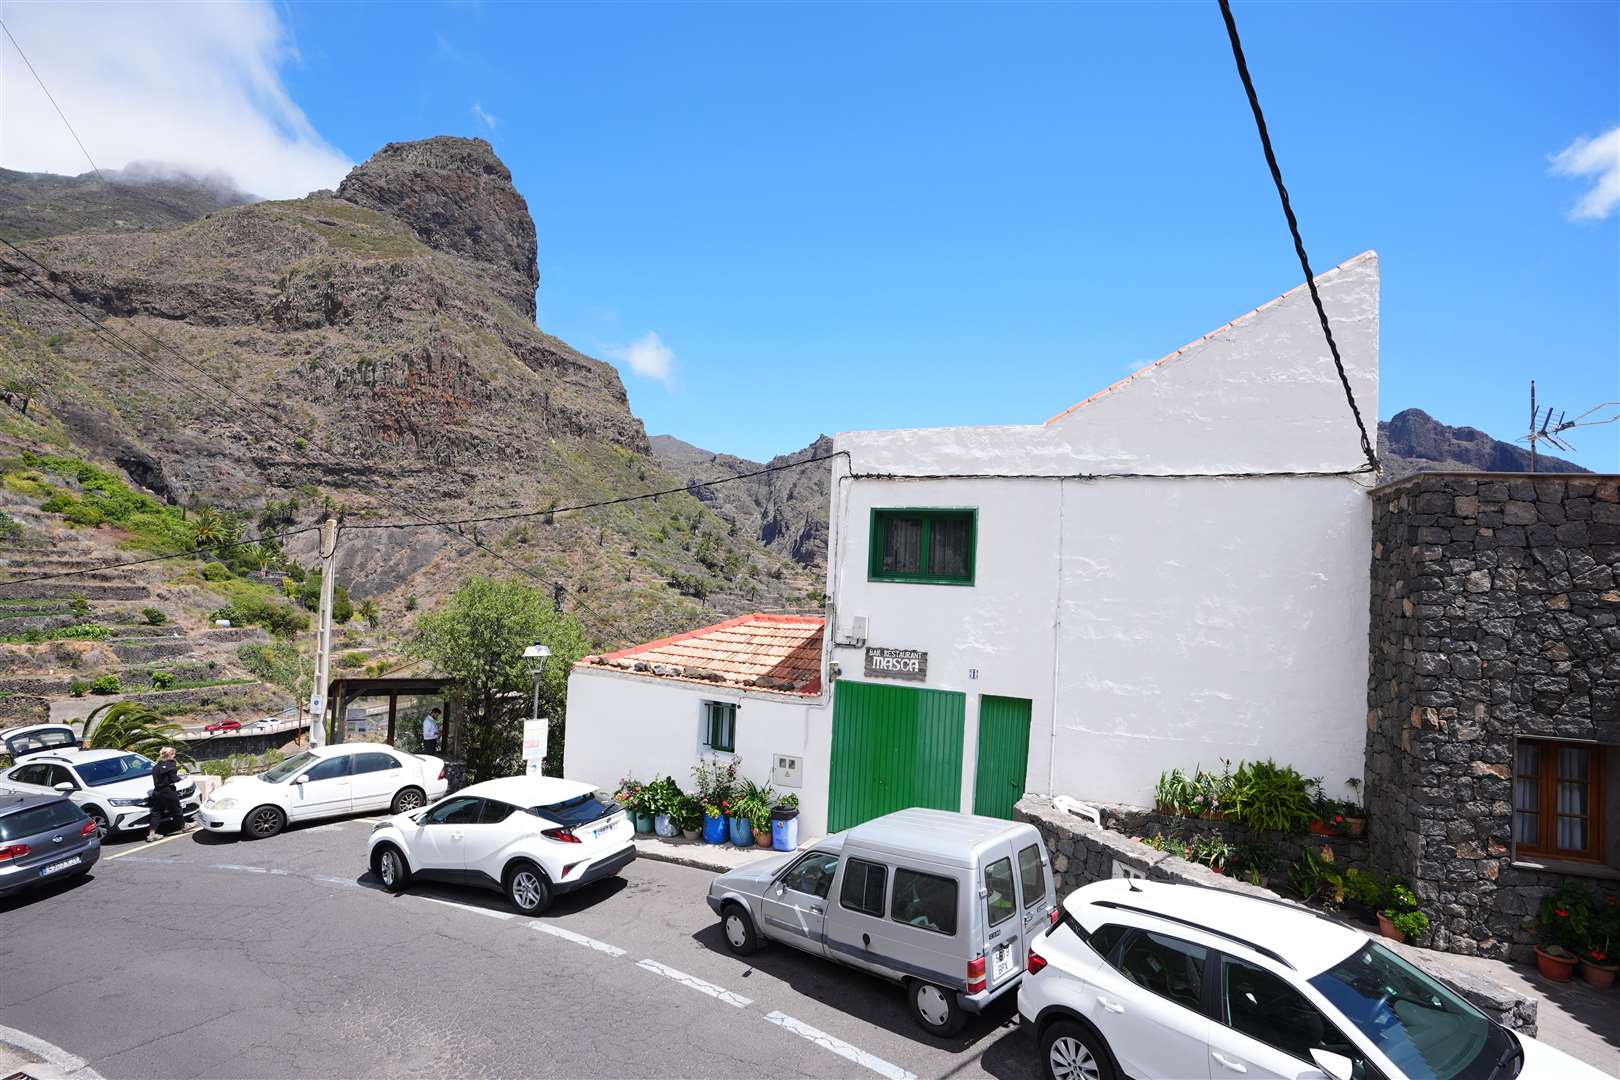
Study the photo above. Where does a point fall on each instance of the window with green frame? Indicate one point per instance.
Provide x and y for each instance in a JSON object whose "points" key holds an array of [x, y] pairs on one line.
{"points": [[720, 726], [931, 547]]}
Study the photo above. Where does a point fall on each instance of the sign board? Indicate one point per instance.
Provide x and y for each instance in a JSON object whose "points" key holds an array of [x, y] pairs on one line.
{"points": [[1124, 870], [896, 664], [534, 745]]}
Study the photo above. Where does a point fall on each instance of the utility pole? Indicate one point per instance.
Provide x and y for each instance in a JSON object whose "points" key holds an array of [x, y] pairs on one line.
{"points": [[1543, 426], [323, 633], [1532, 425]]}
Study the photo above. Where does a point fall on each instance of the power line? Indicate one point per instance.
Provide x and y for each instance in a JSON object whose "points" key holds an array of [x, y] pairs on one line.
{"points": [[52, 100], [1293, 227]]}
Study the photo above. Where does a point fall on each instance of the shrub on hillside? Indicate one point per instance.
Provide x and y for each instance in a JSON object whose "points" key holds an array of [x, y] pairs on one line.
{"points": [[153, 617], [106, 684], [215, 571]]}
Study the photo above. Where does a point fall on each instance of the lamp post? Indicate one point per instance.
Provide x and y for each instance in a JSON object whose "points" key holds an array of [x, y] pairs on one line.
{"points": [[534, 738]]}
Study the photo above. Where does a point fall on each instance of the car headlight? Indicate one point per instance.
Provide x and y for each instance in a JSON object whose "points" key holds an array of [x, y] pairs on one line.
{"points": [[128, 802], [221, 804]]}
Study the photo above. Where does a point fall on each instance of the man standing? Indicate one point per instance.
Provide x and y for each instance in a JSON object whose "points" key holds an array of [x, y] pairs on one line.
{"points": [[430, 732]]}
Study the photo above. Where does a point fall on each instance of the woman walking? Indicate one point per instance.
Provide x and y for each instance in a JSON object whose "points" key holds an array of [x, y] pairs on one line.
{"points": [[165, 800]]}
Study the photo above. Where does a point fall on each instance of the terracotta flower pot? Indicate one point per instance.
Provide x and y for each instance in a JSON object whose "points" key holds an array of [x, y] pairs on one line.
{"points": [[1320, 828], [1555, 967], [1389, 930], [1356, 826], [1598, 975], [762, 837]]}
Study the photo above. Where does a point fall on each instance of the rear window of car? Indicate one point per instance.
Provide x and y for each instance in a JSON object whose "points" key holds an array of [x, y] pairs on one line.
{"points": [[863, 887], [998, 884], [579, 810], [923, 900], [38, 819], [32, 742], [1030, 876]]}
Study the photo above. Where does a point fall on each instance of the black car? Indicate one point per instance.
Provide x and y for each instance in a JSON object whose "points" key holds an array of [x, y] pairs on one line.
{"points": [[43, 838]]}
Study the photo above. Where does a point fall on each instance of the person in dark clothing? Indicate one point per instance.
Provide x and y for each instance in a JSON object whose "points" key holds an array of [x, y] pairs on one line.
{"points": [[165, 802]]}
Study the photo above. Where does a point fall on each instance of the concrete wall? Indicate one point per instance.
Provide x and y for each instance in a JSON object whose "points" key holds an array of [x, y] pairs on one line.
{"points": [[1495, 615], [1153, 619], [649, 727]]}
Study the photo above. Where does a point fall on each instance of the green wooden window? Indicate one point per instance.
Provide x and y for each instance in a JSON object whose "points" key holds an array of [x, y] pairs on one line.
{"points": [[930, 547], [720, 726]]}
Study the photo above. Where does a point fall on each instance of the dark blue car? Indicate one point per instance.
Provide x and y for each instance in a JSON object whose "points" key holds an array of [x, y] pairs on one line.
{"points": [[43, 838]]}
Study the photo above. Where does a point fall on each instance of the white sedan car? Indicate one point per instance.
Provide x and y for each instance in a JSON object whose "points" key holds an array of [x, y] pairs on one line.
{"points": [[324, 782], [530, 837], [1151, 979], [114, 787]]}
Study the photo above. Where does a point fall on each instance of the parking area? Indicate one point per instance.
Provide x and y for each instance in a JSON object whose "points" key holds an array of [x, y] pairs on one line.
{"points": [[203, 956]]}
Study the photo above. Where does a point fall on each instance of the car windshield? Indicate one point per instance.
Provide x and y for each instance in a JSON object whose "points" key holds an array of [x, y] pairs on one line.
{"points": [[114, 769], [1425, 1029], [576, 811], [277, 773]]}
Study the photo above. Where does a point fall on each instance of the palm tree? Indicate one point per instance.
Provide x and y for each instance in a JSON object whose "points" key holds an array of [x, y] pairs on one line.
{"points": [[131, 726]]}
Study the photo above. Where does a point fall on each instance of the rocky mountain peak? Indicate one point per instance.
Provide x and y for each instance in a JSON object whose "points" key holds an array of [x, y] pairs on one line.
{"points": [[457, 196]]}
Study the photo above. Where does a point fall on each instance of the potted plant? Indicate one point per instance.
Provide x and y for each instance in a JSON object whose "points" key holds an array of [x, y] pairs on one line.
{"points": [[737, 826], [714, 780], [1598, 962], [1355, 815], [754, 804], [785, 824], [631, 794], [1212, 850], [1364, 893], [1563, 921], [661, 799], [688, 816], [1400, 918]]}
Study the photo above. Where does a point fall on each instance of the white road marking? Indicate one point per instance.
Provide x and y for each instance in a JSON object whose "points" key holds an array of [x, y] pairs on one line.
{"points": [[697, 984], [147, 844], [249, 869], [839, 1047], [469, 907], [577, 939], [350, 882], [71, 1066]]}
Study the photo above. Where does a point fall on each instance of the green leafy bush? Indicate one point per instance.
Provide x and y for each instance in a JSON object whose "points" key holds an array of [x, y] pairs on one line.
{"points": [[163, 680], [153, 617], [78, 688], [106, 684], [1265, 795], [1565, 917], [1315, 879], [215, 571], [10, 529]]}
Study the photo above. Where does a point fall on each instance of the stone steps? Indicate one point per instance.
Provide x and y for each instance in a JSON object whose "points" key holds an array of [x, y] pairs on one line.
{"points": [[66, 590]]}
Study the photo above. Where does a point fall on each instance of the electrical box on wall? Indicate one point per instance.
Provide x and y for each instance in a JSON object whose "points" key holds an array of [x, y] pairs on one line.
{"points": [[785, 770]]}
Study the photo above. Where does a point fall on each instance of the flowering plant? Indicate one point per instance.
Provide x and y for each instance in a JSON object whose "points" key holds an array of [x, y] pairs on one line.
{"points": [[1603, 931], [1565, 918], [629, 794], [714, 782]]}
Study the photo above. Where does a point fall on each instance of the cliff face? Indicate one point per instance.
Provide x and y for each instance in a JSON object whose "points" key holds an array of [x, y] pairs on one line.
{"points": [[376, 347], [1413, 441]]}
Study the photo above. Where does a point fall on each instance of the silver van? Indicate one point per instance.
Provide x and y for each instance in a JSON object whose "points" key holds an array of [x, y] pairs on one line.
{"points": [[942, 903]]}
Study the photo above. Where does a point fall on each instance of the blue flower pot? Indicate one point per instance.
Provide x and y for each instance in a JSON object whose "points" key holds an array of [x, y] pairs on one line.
{"points": [[785, 834], [742, 832], [714, 829], [644, 822]]}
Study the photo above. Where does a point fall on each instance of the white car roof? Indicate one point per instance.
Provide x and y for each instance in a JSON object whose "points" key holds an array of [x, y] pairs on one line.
{"points": [[527, 791], [77, 757], [1306, 940], [338, 749]]}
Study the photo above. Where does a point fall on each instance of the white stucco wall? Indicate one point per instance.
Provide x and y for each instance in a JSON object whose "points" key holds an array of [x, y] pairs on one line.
{"points": [[1159, 621], [648, 727]]}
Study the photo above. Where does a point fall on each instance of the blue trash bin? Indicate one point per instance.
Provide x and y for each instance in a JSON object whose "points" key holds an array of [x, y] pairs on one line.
{"points": [[785, 828]]}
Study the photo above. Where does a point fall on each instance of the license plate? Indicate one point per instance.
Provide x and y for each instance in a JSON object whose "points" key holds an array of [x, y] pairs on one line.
{"points": [[599, 833], [63, 865], [1001, 963]]}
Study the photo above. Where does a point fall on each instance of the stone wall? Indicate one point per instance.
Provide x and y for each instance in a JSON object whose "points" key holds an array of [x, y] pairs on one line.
{"points": [[1082, 853], [1495, 604], [1283, 848]]}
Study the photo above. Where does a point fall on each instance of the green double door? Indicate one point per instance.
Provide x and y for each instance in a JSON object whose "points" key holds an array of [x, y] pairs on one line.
{"points": [[998, 781], [893, 747], [899, 746]]}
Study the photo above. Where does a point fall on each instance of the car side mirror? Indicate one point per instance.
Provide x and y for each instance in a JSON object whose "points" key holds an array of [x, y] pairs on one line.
{"points": [[300, 779], [67, 787], [1336, 1066]]}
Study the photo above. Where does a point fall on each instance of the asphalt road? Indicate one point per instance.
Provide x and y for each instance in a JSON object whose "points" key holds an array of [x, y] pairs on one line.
{"points": [[203, 956]]}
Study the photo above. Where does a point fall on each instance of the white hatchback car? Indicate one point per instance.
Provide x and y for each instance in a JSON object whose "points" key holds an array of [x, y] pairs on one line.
{"points": [[324, 782], [530, 837], [1147, 979], [114, 787]]}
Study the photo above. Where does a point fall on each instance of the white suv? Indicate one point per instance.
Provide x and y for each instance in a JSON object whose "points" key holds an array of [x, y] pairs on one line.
{"points": [[113, 786], [1144, 979], [530, 837]]}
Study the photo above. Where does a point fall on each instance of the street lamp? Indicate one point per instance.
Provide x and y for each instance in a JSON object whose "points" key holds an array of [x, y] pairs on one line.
{"points": [[534, 742]]}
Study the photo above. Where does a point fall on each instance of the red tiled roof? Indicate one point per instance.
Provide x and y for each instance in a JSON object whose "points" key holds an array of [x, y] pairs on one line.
{"points": [[780, 653]]}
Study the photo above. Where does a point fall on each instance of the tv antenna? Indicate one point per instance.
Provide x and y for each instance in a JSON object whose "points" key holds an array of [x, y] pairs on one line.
{"points": [[1543, 427]]}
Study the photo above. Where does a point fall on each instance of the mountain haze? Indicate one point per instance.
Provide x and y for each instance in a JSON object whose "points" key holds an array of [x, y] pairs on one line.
{"points": [[144, 195]]}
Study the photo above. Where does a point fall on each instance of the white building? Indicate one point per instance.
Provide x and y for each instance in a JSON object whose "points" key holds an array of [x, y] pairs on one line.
{"points": [[1171, 572]]}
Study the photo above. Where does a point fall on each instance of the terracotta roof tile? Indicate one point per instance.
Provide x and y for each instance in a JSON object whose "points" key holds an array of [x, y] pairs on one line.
{"points": [[776, 653]]}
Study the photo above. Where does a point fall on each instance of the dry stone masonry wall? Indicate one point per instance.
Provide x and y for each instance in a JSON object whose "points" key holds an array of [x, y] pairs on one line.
{"points": [[1495, 603]]}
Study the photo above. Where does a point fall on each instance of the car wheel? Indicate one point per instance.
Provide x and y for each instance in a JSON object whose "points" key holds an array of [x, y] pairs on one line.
{"points": [[263, 822], [528, 889], [389, 865], [1070, 1052], [935, 1008], [738, 930], [408, 799], [103, 824]]}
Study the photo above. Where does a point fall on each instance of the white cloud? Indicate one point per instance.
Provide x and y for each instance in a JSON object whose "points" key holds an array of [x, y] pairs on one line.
{"points": [[196, 86], [484, 118], [1599, 158], [647, 356]]}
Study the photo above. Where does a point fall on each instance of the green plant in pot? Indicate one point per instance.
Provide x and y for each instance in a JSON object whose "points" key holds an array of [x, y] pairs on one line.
{"points": [[754, 803], [1365, 892], [632, 795], [1563, 920], [1267, 796], [688, 815], [1399, 917], [1598, 961], [660, 799]]}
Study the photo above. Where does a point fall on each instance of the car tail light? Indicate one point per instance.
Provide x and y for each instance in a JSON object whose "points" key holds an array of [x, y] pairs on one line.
{"points": [[441, 773], [14, 851], [976, 980], [564, 835], [1036, 962], [89, 829]]}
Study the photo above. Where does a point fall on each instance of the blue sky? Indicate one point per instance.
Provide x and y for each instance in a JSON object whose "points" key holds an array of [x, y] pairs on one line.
{"points": [[843, 217]]}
